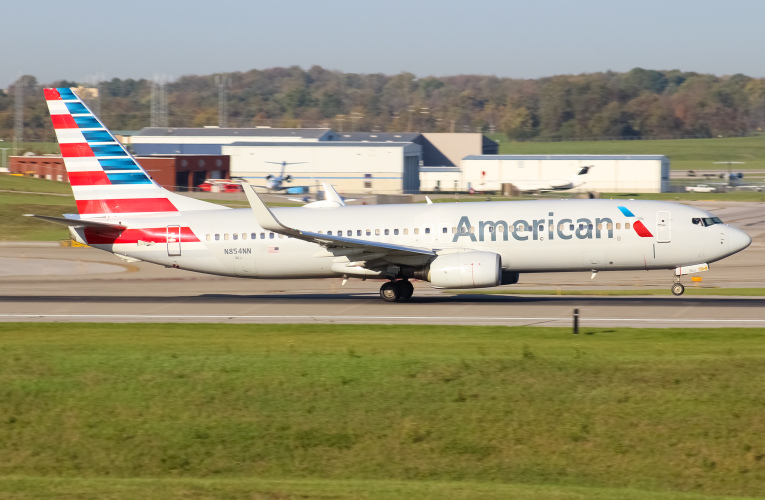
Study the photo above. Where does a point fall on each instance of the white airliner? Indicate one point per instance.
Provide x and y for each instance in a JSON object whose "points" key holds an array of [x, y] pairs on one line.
{"points": [[454, 245]]}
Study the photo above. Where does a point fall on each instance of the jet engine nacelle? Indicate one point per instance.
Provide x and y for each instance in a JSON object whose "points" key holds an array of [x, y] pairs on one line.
{"points": [[288, 178], [269, 177], [466, 270]]}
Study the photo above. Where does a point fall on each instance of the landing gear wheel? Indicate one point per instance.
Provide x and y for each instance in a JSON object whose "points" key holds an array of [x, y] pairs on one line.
{"points": [[678, 289], [390, 292], [407, 289]]}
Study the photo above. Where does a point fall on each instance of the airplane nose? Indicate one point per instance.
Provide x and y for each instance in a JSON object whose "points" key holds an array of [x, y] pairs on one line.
{"points": [[737, 239]]}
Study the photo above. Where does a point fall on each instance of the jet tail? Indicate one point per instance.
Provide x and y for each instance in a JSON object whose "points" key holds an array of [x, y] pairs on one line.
{"points": [[106, 180]]}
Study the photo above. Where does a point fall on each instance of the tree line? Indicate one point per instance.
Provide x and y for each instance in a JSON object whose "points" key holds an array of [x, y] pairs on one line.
{"points": [[637, 104]]}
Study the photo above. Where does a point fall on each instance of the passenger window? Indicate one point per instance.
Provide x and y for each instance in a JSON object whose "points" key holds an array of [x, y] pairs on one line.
{"points": [[501, 229], [340, 233], [618, 225], [271, 235], [254, 236], [377, 232], [454, 230], [209, 237], [406, 230], [369, 232], [570, 227], [281, 236], [349, 233], [358, 232], [491, 229], [600, 227], [445, 230], [262, 236], [387, 232], [511, 229], [244, 236], [329, 233], [225, 236], [217, 237], [417, 230], [472, 229], [609, 226], [626, 225], [236, 236], [427, 230], [395, 232]]}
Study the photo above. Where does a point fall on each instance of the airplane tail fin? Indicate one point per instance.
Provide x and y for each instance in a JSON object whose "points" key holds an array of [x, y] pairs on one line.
{"points": [[583, 170], [106, 180]]}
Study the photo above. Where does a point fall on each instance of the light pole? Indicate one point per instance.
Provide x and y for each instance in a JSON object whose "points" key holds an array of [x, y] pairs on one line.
{"points": [[340, 120], [424, 112]]}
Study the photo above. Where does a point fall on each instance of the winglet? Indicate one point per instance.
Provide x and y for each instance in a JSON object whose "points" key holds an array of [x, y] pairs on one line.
{"points": [[263, 215], [427, 198], [331, 195]]}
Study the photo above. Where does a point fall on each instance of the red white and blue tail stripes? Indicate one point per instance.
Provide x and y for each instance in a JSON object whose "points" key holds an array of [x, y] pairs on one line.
{"points": [[105, 178]]}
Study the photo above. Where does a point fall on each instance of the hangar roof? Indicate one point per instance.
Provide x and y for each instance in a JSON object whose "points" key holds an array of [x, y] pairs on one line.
{"points": [[328, 144], [378, 136], [565, 157], [226, 132]]}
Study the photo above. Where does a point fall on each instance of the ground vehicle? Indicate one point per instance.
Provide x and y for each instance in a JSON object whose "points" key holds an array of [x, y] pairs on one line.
{"points": [[701, 188], [221, 186]]}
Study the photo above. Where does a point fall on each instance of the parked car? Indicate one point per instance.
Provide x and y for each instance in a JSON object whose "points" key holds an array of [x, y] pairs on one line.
{"points": [[701, 188]]}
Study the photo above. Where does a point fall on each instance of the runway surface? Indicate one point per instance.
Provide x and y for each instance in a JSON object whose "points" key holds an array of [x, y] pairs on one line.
{"points": [[49, 283]]}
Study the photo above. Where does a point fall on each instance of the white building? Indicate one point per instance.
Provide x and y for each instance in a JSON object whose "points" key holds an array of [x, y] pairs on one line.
{"points": [[352, 167], [609, 173]]}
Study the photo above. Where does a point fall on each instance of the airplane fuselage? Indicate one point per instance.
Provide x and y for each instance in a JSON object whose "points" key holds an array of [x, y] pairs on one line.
{"points": [[529, 236]]}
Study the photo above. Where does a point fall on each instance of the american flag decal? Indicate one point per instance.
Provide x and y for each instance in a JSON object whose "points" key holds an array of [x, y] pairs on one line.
{"points": [[273, 249]]}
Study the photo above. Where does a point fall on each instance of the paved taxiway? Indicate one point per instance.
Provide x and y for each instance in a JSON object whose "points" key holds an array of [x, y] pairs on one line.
{"points": [[49, 283]]}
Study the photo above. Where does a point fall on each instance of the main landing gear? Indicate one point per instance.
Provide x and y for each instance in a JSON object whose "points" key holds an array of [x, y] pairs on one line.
{"points": [[394, 291], [677, 287]]}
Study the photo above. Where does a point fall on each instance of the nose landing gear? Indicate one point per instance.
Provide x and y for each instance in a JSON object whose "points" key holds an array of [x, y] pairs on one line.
{"points": [[677, 287], [394, 291]]}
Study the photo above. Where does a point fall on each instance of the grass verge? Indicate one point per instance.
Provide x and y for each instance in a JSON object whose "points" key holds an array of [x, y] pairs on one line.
{"points": [[684, 154], [658, 412]]}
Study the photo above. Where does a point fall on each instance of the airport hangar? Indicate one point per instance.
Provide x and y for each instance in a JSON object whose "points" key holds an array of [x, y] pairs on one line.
{"points": [[355, 162]]}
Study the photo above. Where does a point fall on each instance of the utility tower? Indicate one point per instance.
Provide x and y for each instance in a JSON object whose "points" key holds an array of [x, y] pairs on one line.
{"points": [[18, 124], [222, 82], [158, 102]]}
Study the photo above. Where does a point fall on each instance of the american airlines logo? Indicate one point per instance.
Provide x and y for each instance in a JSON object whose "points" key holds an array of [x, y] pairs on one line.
{"points": [[539, 229]]}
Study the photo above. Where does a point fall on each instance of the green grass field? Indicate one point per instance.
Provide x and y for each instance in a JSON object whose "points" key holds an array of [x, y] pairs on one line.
{"points": [[685, 154], [341, 411]]}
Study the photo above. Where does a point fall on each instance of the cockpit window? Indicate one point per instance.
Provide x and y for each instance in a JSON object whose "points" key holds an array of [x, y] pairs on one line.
{"points": [[706, 221]]}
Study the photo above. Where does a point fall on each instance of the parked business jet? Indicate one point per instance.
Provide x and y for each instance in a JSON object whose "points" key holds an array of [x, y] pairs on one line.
{"points": [[541, 186], [277, 182], [546, 186], [451, 245]]}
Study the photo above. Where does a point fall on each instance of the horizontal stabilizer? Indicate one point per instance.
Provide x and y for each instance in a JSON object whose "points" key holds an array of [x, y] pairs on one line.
{"points": [[78, 222]]}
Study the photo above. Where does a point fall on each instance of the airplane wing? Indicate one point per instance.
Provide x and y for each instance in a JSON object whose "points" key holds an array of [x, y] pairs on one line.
{"points": [[75, 221], [267, 220]]}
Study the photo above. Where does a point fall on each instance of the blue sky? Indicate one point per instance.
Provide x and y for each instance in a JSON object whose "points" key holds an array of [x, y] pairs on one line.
{"points": [[521, 39]]}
